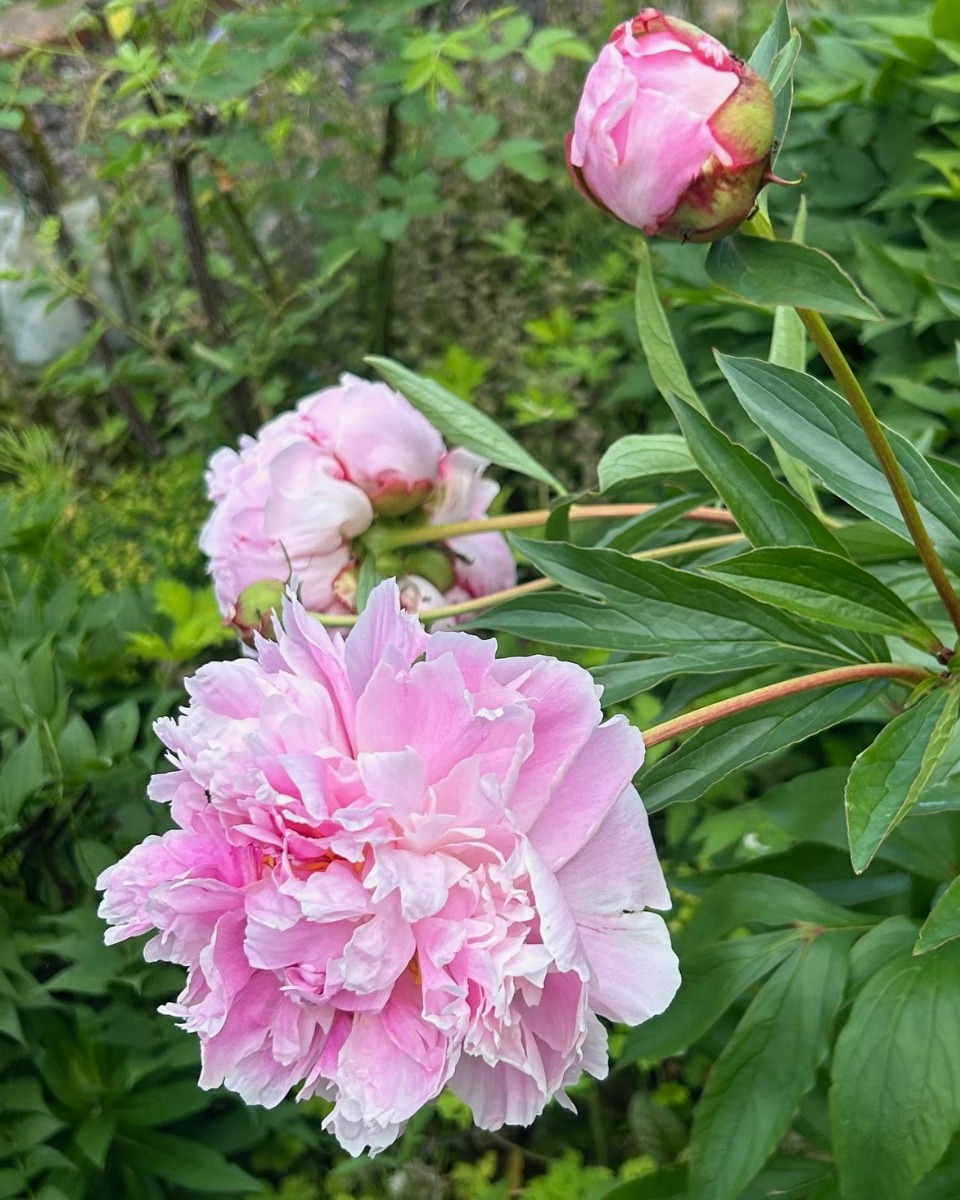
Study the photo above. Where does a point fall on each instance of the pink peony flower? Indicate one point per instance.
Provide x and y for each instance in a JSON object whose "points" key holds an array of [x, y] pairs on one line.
{"points": [[399, 864], [674, 133], [289, 505]]}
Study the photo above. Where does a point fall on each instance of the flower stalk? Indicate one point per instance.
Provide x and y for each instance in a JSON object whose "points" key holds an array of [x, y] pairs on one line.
{"points": [[394, 539], [842, 372], [709, 713]]}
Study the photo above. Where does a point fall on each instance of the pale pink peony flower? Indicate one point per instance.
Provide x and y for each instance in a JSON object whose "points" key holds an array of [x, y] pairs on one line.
{"points": [[400, 864], [673, 134], [289, 504]]}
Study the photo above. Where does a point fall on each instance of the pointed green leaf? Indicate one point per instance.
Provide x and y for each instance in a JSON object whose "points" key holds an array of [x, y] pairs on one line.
{"points": [[786, 273], [756, 1085], [748, 738], [666, 366], [640, 456], [943, 924], [816, 425], [660, 610], [756, 899], [773, 40], [187, 1163], [765, 510], [712, 979], [887, 778], [462, 424], [895, 1100], [826, 587]]}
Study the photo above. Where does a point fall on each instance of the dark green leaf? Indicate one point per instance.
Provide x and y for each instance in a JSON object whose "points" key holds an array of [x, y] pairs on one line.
{"points": [[943, 923], [670, 1184], [670, 611], [712, 979], [895, 1100], [816, 425], [812, 583], [748, 738], [752, 898], [462, 424], [756, 1085], [20, 776], [620, 681], [887, 778], [786, 273], [640, 456], [186, 1163], [767, 512], [663, 359]]}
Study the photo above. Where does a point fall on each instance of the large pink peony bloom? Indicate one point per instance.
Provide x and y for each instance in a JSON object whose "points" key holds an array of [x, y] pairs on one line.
{"points": [[288, 506], [673, 134], [400, 864]]}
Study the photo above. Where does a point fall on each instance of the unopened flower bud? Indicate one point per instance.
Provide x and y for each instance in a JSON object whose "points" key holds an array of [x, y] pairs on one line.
{"points": [[254, 609], [433, 565], [674, 134]]}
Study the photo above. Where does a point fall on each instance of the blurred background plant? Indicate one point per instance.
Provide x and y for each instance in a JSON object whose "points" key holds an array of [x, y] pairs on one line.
{"points": [[210, 210]]}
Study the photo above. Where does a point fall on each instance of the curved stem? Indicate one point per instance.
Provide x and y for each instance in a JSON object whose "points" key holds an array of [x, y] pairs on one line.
{"points": [[694, 546], [419, 534], [850, 386], [775, 691]]}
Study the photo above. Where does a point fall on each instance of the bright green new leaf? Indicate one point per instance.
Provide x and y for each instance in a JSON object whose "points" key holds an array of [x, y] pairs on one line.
{"points": [[895, 1100], [462, 424], [887, 778], [943, 923], [755, 1087], [824, 586], [816, 425], [712, 979], [946, 20], [786, 273], [643, 455], [767, 512], [666, 366]]}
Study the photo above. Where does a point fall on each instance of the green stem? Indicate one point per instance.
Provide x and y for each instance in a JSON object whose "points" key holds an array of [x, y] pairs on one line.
{"points": [[416, 536], [669, 730], [850, 386], [694, 546]]}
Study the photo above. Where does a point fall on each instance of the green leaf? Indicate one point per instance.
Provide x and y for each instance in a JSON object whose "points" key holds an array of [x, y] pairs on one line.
{"points": [[774, 38], [945, 21], [817, 426], [639, 456], [755, 1087], [20, 776], [767, 512], [462, 424], [670, 1184], [895, 1099], [786, 273], [659, 610], [712, 979], [943, 923], [186, 1163], [748, 738], [622, 680], [887, 778], [94, 1137], [666, 366], [812, 583]]}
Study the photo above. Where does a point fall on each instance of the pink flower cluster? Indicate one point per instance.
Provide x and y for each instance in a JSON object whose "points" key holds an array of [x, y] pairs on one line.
{"points": [[399, 864], [289, 505]]}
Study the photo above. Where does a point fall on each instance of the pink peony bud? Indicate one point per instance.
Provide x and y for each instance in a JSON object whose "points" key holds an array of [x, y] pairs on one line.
{"points": [[399, 863], [291, 502], [674, 133]]}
